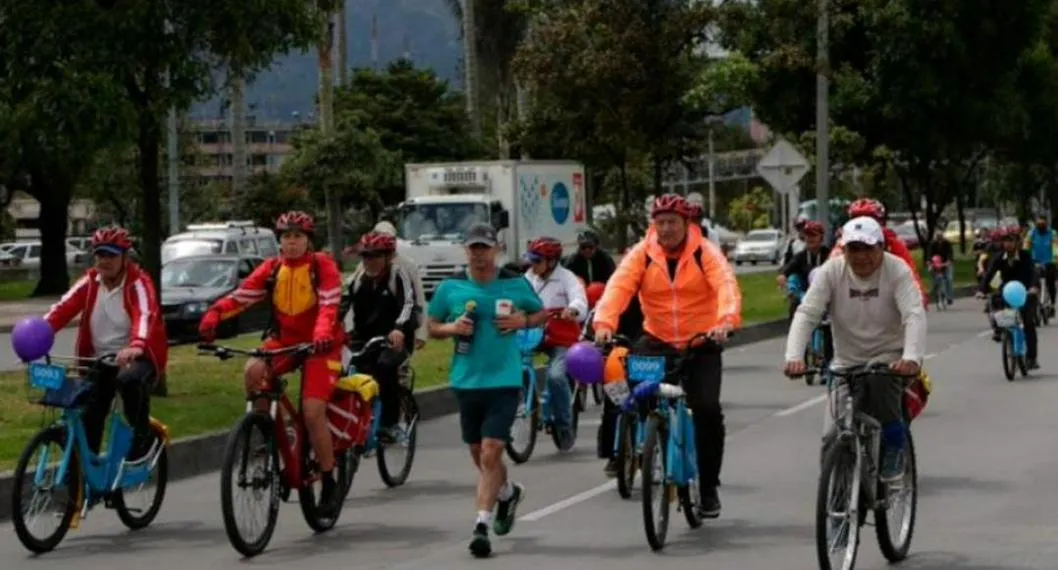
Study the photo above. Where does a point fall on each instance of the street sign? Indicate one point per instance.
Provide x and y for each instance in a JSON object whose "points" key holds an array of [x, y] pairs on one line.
{"points": [[783, 166]]}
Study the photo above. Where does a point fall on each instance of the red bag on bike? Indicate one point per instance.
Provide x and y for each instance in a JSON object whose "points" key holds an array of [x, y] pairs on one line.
{"points": [[349, 412], [916, 395], [560, 333]]}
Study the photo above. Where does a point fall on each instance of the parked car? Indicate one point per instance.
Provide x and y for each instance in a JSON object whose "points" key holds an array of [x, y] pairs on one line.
{"points": [[28, 253], [907, 234], [759, 245], [191, 284], [229, 238]]}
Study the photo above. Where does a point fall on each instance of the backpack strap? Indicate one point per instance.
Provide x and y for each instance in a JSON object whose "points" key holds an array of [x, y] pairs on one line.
{"points": [[697, 260], [270, 286]]}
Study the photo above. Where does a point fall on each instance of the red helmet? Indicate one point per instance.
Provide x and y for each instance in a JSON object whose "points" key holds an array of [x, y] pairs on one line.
{"points": [[544, 248], [295, 220], [867, 207], [377, 242], [810, 228], [113, 238], [671, 204], [594, 292]]}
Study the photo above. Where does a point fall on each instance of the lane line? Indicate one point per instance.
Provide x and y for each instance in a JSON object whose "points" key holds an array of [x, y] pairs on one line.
{"points": [[802, 406]]}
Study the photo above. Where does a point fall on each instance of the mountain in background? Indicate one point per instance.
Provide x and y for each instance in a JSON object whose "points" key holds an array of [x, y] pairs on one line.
{"points": [[424, 29]]}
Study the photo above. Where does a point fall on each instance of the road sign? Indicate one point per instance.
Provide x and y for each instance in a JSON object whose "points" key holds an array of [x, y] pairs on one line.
{"points": [[783, 166]]}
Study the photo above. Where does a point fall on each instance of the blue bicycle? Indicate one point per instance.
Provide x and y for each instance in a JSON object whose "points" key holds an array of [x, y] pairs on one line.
{"points": [[815, 353], [67, 467], [631, 428], [1015, 349], [534, 412], [670, 455]]}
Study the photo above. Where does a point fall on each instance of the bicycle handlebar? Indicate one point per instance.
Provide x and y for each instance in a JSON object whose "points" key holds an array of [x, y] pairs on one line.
{"points": [[869, 369], [227, 352], [370, 344]]}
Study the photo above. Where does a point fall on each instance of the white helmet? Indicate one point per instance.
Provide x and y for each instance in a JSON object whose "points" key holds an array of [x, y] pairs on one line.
{"points": [[387, 228]]}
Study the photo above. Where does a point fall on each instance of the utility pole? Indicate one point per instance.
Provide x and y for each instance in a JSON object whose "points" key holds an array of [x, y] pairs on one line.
{"points": [[823, 115], [238, 136], [172, 149]]}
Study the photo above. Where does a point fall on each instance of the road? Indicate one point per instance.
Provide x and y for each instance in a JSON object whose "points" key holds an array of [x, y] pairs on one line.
{"points": [[987, 470]]}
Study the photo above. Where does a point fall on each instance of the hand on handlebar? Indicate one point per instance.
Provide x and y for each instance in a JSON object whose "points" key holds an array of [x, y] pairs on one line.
{"points": [[905, 367], [795, 368], [127, 355], [719, 333], [603, 336], [207, 327], [322, 344]]}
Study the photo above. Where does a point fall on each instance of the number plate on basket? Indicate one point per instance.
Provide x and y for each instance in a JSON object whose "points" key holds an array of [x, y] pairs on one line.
{"points": [[47, 376], [646, 368]]}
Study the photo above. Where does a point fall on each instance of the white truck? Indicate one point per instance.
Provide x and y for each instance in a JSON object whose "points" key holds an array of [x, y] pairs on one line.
{"points": [[521, 199]]}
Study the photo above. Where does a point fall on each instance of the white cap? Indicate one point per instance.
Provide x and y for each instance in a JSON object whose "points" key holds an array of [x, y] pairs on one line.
{"points": [[387, 228], [863, 230]]}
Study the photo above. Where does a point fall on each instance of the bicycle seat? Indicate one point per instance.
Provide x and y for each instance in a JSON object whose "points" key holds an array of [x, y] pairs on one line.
{"points": [[362, 384]]}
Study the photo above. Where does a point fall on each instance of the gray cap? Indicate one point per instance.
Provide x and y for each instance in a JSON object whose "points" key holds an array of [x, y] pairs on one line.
{"points": [[480, 234]]}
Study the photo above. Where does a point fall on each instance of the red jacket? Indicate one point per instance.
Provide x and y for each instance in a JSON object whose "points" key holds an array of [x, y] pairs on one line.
{"points": [[306, 296], [141, 304]]}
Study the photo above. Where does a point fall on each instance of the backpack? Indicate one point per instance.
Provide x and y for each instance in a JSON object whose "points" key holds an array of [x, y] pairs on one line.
{"points": [[391, 283], [270, 285]]}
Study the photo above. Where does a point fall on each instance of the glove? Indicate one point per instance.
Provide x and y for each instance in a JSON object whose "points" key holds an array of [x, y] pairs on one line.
{"points": [[207, 327], [322, 344]]}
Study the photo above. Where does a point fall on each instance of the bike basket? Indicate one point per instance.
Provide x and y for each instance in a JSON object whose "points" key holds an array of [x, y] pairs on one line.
{"points": [[1007, 318], [348, 419], [50, 385], [645, 368]]}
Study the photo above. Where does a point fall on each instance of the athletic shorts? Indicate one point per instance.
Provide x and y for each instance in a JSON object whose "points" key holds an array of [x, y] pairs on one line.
{"points": [[319, 372], [487, 413]]}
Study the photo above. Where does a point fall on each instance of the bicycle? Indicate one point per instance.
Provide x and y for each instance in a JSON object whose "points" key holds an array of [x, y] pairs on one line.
{"points": [[535, 406], [855, 454], [1045, 306], [938, 292], [631, 428], [815, 352], [289, 460], [674, 469], [87, 477], [1014, 347]]}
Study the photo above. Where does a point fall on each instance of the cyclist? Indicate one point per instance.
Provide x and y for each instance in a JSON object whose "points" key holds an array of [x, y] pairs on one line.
{"points": [[487, 378], [1015, 265], [698, 219], [590, 263], [305, 291], [411, 269], [119, 314], [796, 245], [942, 247], [563, 296], [877, 314], [382, 303], [803, 262], [1040, 241], [874, 209], [686, 287]]}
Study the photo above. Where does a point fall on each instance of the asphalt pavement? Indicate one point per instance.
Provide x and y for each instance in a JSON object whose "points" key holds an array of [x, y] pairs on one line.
{"points": [[988, 465]]}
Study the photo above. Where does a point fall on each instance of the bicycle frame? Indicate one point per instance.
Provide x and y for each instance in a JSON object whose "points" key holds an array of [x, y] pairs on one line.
{"points": [[1017, 334], [681, 453], [640, 434]]}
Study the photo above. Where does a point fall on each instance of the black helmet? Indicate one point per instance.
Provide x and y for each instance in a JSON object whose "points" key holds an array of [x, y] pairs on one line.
{"points": [[588, 237]]}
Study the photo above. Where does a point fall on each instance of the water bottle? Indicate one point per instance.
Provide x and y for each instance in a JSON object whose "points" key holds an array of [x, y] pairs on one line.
{"points": [[463, 342]]}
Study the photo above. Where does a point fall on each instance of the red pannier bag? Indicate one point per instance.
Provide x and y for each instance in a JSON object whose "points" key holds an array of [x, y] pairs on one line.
{"points": [[916, 395], [560, 333], [349, 413]]}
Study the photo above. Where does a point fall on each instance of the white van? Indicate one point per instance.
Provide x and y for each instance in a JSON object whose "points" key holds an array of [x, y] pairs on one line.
{"points": [[233, 238]]}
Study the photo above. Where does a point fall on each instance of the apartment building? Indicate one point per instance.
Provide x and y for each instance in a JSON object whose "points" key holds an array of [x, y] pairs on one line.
{"points": [[267, 145]]}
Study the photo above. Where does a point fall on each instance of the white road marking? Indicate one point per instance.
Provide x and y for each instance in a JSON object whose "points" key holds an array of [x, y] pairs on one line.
{"points": [[802, 406]]}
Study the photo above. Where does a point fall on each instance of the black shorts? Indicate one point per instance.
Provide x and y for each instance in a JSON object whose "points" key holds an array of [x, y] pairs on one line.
{"points": [[487, 413]]}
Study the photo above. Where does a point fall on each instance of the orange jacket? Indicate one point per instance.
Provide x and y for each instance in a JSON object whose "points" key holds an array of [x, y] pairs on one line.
{"points": [[303, 311], [674, 310], [895, 246]]}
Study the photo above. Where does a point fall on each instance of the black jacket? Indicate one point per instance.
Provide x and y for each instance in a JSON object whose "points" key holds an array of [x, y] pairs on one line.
{"points": [[803, 262], [1018, 268], [597, 269]]}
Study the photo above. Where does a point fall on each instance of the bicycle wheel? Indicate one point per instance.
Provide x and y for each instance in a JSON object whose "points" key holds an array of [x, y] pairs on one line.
{"points": [[527, 420], [350, 461], [136, 519], [688, 497], [1009, 358], [895, 551], [408, 435], [627, 459], [839, 488], [261, 481], [308, 499], [655, 486], [27, 466]]}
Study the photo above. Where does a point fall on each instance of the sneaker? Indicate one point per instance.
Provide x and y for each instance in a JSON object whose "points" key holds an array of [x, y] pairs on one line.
{"points": [[892, 466], [480, 546], [566, 439], [996, 336], [141, 447], [1033, 364], [387, 435], [709, 503], [507, 511], [610, 468]]}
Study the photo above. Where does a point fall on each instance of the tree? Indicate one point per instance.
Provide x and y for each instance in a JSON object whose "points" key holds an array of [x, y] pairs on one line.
{"points": [[269, 195], [751, 210], [416, 115], [59, 106]]}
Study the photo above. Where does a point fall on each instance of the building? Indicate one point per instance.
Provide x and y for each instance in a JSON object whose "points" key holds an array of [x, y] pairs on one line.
{"points": [[267, 145], [24, 210]]}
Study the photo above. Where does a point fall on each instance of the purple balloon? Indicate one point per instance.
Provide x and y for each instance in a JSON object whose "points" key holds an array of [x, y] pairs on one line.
{"points": [[584, 362], [32, 338]]}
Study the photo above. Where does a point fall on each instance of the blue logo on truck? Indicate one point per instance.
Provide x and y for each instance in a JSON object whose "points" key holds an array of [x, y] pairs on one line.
{"points": [[560, 203]]}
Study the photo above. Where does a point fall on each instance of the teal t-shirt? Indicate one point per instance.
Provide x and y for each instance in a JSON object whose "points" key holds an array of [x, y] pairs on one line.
{"points": [[494, 360]]}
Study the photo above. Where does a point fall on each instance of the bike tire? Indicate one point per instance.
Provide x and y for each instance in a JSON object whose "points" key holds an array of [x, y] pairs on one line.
{"points": [[836, 457], [520, 456], [1009, 359], [161, 473], [626, 458], [653, 446], [409, 408], [307, 499], [689, 505], [350, 461], [894, 552], [24, 471], [229, 472]]}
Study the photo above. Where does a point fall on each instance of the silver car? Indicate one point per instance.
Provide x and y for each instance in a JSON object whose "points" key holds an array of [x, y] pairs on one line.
{"points": [[759, 245]]}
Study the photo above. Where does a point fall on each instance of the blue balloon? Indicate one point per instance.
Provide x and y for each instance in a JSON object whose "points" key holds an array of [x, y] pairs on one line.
{"points": [[1015, 295]]}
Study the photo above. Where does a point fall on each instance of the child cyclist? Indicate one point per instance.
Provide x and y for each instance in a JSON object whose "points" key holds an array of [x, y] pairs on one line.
{"points": [[305, 291]]}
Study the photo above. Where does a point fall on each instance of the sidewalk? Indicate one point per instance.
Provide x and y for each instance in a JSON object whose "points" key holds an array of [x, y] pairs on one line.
{"points": [[13, 311]]}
